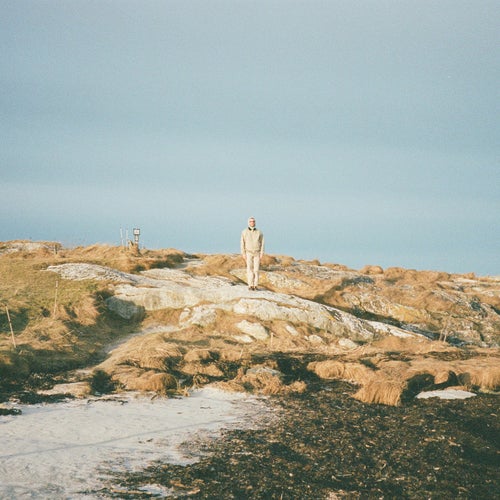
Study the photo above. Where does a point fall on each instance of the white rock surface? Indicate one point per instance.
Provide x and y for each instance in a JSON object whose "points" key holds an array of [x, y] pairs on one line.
{"points": [[244, 339], [264, 370], [201, 297], [255, 330], [348, 344], [314, 339], [83, 271], [200, 315]]}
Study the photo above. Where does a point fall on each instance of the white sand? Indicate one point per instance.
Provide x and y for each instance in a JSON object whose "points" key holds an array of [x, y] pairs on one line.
{"points": [[61, 450]]}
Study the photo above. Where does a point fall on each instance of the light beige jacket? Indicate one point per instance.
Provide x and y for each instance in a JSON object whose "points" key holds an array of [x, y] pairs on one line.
{"points": [[252, 240]]}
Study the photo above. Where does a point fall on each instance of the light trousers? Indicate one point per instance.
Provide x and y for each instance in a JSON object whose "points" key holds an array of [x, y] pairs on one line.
{"points": [[253, 263]]}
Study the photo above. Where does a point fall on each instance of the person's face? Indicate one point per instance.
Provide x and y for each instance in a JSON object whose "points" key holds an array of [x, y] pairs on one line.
{"points": [[251, 222]]}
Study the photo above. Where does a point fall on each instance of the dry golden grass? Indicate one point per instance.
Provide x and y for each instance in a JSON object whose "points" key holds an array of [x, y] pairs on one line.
{"points": [[232, 354], [153, 351], [86, 311], [57, 323], [233, 385], [136, 379], [395, 344], [31, 293], [161, 317], [389, 381], [409, 346], [444, 376], [338, 370], [210, 370], [483, 373], [264, 380], [369, 269], [123, 259], [381, 390], [268, 260], [262, 383], [46, 331], [297, 387], [199, 355], [218, 265]]}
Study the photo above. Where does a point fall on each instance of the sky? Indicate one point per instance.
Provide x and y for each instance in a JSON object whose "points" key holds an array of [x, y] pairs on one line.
{"points": [[355, 131]]}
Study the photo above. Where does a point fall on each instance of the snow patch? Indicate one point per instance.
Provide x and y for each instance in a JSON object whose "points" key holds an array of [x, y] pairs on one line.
{"points": [[446, 394], [63, 450]]}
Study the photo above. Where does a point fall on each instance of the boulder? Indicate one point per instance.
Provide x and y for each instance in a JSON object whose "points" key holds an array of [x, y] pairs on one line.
{"points": [[255, 330], [125, 308]]}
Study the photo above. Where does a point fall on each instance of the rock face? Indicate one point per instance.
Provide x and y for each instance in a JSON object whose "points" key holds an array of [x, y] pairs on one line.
{"points": [[327, 301], [460, 308], [29, 246], [204, 300]]}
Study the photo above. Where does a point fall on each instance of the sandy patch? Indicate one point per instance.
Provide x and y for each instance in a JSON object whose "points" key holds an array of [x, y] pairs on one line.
{"points": [[64, 450]]}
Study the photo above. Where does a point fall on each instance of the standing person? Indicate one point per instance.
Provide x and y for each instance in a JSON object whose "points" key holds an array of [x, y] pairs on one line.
{"points": [[252, 250]]}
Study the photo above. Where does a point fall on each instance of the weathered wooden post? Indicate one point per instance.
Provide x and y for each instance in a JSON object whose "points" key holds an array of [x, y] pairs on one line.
{"points": [[54, 313], [11, 329]]}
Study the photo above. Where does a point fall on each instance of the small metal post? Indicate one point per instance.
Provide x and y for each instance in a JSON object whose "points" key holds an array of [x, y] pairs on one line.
{"points": [[137, 233]]}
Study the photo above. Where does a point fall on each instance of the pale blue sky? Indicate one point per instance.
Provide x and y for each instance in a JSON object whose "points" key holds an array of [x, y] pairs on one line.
{"points": [[356, 132]]}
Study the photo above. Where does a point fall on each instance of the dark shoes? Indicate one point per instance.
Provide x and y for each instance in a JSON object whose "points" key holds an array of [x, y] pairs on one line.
{"points": [[252, 288]]}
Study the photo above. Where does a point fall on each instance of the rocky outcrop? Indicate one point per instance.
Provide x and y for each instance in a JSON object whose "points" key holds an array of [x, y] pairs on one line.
{"points": [[459, 308], [331, 300], [202, 300], [29, 246], [375, 328]]}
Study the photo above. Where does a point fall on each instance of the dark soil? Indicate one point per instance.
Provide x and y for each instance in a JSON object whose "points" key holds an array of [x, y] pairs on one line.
{"points": [[323, 444]]}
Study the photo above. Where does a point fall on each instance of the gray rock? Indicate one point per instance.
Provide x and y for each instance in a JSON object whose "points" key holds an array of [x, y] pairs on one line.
{"points": [[255, 330], [200, 298], [265, 370], [348, 344], [124, 308]]}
